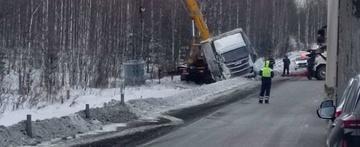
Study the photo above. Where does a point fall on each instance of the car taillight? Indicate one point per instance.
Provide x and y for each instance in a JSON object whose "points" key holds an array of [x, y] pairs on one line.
{"points": [[338, 113], [351, 122]]}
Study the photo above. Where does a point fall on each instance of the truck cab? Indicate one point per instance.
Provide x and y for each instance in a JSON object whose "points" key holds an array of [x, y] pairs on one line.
{"points": [[229, 55]]}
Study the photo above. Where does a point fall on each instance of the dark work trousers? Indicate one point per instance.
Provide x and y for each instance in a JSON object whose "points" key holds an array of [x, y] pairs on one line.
{"points": [[310, 70], [265, 87], [286, 68]]}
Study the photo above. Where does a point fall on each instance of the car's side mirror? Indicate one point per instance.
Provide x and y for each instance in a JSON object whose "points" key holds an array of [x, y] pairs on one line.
{"points": [[327, 110], [327, 103]]}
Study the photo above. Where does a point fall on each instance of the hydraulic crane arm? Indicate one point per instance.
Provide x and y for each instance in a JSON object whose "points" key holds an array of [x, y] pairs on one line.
{"points": [[206, 61], [198, 18]]}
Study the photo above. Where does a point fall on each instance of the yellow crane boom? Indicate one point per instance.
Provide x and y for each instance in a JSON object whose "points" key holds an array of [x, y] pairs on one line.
{"points": [[198, 18], [207, 61], [197, 69]]}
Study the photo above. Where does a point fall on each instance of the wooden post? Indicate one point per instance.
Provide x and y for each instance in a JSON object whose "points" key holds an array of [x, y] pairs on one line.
{"points": [[122, 99], [67, 94], [28, 126], [159, 75], [87, 111], [172, 75]]}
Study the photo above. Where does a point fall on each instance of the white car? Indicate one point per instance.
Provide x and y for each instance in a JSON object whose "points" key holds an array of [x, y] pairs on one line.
{"points": [[300, 63]]}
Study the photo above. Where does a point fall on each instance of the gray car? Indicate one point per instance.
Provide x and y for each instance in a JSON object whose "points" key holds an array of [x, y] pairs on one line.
{"points": [[345, 128]]}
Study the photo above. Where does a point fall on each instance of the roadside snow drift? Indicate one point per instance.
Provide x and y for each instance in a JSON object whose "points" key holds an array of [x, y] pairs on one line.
{"points": [[64, 127], [143, 105], [96, 98], [154, 106]]}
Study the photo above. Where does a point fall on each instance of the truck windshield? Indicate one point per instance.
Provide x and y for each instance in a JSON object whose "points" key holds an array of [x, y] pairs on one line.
{"points": [[229, 43], [236, 54]]}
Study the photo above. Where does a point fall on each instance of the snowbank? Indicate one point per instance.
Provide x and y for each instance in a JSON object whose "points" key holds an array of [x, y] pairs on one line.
{"points": [[96, 98], [72, 126], [152, 107]]}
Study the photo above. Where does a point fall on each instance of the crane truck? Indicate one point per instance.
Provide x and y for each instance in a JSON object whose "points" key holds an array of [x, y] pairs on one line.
{"points": [[215, 58]]}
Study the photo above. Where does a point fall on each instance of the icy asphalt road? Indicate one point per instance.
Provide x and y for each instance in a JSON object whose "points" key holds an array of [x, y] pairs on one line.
{"points": [[288, 121]]}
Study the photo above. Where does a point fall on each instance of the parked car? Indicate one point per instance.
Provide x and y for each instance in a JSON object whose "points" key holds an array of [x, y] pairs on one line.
{"points": [[300, 63], [301, 60], [345, 128]]}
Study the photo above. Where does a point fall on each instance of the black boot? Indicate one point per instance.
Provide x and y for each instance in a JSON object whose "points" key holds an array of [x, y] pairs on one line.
{"points": [[261, 100], [267, 100]]}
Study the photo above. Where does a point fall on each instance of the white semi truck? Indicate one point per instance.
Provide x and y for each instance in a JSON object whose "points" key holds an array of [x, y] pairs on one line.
{"points": [[229, 54]]}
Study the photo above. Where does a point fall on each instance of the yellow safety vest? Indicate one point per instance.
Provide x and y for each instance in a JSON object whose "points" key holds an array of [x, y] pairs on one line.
{"points": [[266, 70]]}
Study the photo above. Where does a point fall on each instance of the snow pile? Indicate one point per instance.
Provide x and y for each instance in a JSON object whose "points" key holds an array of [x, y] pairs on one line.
{"points": [[112, 112], [96, 98], [105, 119], [45, 130], [154, 106]]}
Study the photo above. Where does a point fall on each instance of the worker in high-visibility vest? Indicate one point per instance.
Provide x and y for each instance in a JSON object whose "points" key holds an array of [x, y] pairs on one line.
{"points": [[266, 74]]}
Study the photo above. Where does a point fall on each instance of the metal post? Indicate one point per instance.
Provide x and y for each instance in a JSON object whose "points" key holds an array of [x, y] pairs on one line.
{"points": [[87, 111], [122, 92], [28, 126], [122, 87]]}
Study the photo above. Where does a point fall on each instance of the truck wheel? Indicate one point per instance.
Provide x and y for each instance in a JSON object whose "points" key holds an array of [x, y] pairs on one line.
{"points": [[321, 73]]}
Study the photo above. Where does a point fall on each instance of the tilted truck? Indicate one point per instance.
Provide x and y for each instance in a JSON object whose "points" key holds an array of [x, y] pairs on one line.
{"points": [[219, 57], [229, 55]]}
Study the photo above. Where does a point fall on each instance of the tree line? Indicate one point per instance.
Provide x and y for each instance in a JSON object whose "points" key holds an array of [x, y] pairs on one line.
{"points": [[66, 44]]}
